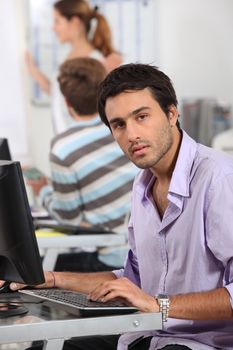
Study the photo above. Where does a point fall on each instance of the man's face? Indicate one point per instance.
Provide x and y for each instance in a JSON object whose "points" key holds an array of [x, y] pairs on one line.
{"points": [[141, 128]]}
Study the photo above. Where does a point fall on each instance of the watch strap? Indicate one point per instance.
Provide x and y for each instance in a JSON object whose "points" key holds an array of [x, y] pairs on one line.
{"points": [[164, 304]]}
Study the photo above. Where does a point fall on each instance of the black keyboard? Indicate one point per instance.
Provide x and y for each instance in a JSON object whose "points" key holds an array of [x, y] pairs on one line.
{"points": [[79, 303]]}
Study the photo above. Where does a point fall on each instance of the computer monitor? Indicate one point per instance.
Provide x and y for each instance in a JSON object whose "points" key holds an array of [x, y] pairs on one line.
{"points": [[19, 254], [4, 150]]}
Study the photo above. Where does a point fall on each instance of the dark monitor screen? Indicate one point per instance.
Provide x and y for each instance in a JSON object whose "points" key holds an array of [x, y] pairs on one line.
{"points": [[19, 254], [4, 150]]}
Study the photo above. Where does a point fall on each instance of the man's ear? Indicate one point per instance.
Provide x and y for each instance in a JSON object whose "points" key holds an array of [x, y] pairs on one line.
{"points": [[173, 115]]}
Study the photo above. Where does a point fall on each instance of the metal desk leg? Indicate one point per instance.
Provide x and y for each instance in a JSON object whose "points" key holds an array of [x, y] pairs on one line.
{"points": [[53, 344], [50, 258]]}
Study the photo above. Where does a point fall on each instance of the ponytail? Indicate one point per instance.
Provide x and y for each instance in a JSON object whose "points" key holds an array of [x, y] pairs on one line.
{"points": [[102, 38]]}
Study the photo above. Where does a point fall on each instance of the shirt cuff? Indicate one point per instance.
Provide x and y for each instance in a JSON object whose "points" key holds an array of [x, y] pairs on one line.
{"points": [[229, 287], [118, 273]]}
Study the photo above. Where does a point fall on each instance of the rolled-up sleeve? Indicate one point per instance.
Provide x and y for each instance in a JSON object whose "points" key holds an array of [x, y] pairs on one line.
{"points": [[229, 287], [219, 227]]}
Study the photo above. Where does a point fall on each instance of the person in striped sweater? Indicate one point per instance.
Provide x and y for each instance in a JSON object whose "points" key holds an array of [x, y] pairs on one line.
{"points": [[91, 179]]}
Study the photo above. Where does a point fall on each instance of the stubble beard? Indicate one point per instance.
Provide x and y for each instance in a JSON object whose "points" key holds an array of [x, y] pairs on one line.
{"points": [[159, 149]]}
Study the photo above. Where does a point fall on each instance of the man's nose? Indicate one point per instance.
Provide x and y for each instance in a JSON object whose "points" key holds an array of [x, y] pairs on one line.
{"points": [[132, 133]]}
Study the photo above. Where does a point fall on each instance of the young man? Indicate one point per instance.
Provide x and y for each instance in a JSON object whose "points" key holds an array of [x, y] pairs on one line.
{"points": [[91, 177], [180, 232]]}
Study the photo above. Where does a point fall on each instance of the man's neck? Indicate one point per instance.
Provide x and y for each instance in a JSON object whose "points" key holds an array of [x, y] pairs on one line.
{"points": [[83, 118], [163, 173], [164, 169]]}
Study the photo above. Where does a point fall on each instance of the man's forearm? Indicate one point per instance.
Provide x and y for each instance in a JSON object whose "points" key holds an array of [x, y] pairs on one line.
{"points": [[211, 305], [82, 282]]}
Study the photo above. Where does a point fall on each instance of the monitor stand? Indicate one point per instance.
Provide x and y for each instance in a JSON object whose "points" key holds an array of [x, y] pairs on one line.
{"points": [[11, 309]]}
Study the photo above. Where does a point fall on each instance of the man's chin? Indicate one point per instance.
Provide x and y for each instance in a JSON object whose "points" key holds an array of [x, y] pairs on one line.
{"points": [[140, 162], [143, 165]]}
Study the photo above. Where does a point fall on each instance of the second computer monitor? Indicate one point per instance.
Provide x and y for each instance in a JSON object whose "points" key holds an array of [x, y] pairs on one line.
{"points": [[19, 254], [4, 150]]}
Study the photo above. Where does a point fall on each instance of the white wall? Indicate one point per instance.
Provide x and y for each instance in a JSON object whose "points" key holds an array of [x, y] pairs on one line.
{"points": [[41, 133], [13, 90], [195, 46]]}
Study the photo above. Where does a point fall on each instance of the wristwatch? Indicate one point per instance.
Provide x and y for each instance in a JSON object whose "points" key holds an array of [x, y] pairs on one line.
{"points": [[164, 303]]}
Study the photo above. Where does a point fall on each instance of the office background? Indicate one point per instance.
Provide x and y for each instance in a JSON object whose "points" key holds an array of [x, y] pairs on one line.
{"points": [[192, 44]]}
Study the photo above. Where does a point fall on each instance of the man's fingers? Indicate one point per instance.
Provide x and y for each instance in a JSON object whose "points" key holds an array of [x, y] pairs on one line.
{"points": [[111, 290], [16, 286], [99, 292]]}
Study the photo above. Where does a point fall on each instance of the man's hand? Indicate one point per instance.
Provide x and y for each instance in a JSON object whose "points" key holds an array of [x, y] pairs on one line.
{"points": [[49, 283], [124, 289]]}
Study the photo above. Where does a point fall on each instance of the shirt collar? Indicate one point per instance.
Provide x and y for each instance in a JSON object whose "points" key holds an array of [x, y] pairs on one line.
{"points": [[181, 175], [92, 121]]}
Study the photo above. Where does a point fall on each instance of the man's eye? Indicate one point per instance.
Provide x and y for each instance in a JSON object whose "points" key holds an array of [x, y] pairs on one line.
{"points": [[142, 116], [118, 125]]}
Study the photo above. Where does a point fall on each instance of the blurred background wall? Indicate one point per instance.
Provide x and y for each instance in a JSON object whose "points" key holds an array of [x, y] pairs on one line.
{"points": [[191, 41]]}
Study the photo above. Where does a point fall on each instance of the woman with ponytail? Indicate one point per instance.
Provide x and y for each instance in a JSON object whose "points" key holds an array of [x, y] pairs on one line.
{"points": [[89, 35]]}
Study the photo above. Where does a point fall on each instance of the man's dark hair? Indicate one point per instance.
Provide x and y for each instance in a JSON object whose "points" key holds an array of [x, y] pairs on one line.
{"points": [[137, 76], [79, 79]]}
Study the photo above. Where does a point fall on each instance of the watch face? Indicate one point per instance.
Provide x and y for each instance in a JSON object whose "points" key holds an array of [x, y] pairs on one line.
{"points": [[162, 296]]}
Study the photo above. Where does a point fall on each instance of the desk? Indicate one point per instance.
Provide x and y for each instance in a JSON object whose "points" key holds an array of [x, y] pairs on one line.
{"points": [[53, 245], [54, 326]]}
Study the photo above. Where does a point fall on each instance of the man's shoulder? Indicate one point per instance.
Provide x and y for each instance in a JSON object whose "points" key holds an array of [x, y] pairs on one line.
{"points": [[213, 161], [63, 135], [79, 136]]}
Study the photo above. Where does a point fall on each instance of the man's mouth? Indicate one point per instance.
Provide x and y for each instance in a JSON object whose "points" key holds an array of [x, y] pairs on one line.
{"points": [[138, 150]]}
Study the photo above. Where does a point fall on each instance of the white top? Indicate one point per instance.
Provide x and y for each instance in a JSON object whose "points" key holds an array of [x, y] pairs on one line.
{"points": [[60, 117], [224, 141]]}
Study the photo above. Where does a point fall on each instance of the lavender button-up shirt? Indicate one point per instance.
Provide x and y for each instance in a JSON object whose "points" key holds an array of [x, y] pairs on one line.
{"points": [[191, 248]]}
